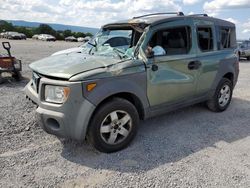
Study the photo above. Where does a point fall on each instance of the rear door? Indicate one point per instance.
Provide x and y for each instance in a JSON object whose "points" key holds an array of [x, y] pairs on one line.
{"points": [[207, 54]]}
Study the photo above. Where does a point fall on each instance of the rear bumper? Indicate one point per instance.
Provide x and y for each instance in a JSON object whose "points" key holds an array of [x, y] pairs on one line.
{"points": [[69, 120]]}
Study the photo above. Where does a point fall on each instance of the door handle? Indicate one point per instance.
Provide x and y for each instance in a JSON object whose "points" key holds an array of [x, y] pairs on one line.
{"points": [[193, 65]]}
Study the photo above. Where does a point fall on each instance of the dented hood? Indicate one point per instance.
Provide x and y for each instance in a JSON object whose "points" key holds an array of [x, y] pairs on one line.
{"points": [[67, 65]]}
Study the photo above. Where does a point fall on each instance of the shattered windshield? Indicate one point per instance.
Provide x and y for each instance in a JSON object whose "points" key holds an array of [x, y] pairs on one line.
{"points": [[118, 43]]}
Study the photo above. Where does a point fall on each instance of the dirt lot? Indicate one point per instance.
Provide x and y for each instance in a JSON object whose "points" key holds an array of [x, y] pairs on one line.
{"points": [[191, 147]]}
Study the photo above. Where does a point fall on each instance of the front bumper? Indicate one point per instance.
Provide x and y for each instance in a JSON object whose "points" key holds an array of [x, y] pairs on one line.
{"points": [[69, 120]]}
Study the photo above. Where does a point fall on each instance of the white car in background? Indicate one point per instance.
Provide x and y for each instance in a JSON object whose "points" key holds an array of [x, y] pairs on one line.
{"points": [[70, 39], [120, 42], [2, 35], [80, 39], [46, 37]]}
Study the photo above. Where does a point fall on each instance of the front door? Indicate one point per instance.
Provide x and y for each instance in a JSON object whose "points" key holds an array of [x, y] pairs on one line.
{"points": [[172, 71]]}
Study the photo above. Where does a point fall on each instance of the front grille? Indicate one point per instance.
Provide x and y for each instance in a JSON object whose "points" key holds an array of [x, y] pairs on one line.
{"points": [[35, 81]]}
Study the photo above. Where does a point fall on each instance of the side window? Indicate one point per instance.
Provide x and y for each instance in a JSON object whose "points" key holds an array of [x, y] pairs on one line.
{"points": [[174, 41], [205, 38]]}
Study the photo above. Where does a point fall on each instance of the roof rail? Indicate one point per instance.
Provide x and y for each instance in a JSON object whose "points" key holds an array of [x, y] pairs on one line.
{"points": [[161, 13], [198, 15]]}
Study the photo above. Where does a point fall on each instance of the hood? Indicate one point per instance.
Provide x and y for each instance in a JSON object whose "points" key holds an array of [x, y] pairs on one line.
{"points": [[67, 51], [67, 65]]}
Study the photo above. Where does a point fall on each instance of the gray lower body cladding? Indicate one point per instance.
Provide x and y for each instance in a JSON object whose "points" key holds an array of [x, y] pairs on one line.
{"points": [[69, 120]]}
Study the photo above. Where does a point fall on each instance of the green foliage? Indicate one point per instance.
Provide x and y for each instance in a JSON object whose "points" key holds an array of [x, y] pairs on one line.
{"points": [[79, 34], [5, 26], [42, 29], [67, 33], [27, 31], [89, 34], [45, 29]]}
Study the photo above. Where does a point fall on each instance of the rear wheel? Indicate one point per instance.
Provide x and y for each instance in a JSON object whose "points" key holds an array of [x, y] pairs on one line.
{"points": [[248, 58], [222, 96], [113, 126]]}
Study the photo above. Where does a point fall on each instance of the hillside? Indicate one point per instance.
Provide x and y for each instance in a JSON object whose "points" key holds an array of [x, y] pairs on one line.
{"points": [[54, 26]]}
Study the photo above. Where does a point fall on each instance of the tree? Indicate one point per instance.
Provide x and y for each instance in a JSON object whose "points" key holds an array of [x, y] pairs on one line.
{"points": [[67, 33], [6, 26], [42, 29], [27, 31], [45, 29], [59, 35], [79, 34], [89, 34]]}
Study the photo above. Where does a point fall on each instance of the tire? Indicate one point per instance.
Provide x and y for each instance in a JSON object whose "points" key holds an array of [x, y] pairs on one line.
{"points": [[220, 102], [17, 75], [248, 58], [1, 78], [109, 132]]}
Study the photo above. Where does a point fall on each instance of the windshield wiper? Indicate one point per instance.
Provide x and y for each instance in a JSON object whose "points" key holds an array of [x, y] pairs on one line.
{"points": [[93, 46], [117, 52]]}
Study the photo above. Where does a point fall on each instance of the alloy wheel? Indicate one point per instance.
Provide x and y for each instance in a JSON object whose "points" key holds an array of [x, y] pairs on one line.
{"points": [[116, 127]]}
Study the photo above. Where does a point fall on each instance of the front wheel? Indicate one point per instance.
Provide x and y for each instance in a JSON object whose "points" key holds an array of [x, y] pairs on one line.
{"points": [[222, 96], [113, 126]]}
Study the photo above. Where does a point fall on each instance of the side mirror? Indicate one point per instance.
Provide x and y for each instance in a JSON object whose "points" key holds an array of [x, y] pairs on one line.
{"points": [[6, 45], [149, 52]]}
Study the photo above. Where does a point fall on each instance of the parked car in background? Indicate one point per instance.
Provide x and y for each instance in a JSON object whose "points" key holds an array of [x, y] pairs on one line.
{"points": [[46, 37], [101, 94], [70, 39], [80, 39], [35, 37], [120, 42], [244, 49], [86, 39], [23, 36], [14, 35], [2, 35]]}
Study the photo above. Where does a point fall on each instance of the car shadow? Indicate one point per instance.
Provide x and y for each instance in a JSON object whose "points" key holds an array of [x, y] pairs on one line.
{"points": [[9, 81], [168, 138]]}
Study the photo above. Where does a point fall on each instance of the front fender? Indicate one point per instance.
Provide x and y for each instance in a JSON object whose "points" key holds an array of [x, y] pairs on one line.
{"points": [[135, 84]]}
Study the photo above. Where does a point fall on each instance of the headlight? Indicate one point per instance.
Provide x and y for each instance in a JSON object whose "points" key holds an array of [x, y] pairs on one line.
{"points": [[56, 94]]}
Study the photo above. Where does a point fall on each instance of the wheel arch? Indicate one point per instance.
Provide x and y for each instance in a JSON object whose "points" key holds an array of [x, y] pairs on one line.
{"points": [[131, 87], [229, 76], [132, 98]]}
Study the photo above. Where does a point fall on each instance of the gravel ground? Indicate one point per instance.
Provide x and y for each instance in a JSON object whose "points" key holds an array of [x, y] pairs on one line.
{"points": [[191, 147]]}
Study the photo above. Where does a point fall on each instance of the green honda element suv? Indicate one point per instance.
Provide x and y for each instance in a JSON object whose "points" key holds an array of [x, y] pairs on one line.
{"points": [[102, 92]]}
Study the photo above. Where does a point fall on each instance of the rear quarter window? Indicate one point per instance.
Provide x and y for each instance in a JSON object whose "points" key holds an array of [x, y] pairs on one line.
{"points": [[227, 38]]}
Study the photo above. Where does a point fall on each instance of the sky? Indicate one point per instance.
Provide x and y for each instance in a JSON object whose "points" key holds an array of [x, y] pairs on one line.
{"points": [[95, 13]]}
